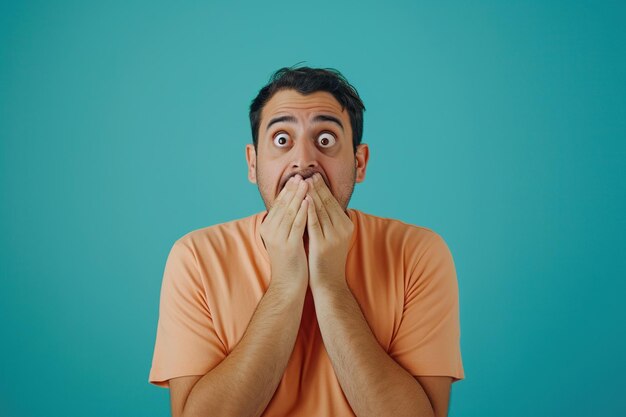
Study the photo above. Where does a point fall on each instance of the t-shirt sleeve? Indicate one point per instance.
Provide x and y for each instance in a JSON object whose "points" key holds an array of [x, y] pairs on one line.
{"points": [[427, 342], [186, 341]]}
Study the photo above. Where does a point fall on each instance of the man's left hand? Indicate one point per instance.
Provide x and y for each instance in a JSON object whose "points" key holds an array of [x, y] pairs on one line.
{"points": [[330, 231]]}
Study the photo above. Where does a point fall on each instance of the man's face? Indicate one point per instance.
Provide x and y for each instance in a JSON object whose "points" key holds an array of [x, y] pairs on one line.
{"points": [[305, 134]]}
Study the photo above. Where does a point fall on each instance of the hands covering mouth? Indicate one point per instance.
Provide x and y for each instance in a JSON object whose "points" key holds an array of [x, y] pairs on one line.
{"points": [[305, 174], [307, 205]]}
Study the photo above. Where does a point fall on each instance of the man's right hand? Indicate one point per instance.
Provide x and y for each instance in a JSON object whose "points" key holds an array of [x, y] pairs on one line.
{"points": [[244, 382], [282, 232]]}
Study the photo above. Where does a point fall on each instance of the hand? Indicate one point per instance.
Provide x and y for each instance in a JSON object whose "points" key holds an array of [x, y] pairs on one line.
{"points": [[282, 231], [330, 231]]}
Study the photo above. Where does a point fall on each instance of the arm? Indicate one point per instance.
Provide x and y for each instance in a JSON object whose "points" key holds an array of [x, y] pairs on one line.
{"points": [[245, 381], [373, 382]]}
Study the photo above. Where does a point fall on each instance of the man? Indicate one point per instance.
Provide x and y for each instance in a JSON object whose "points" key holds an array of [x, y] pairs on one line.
{"points": [[308, 308]]}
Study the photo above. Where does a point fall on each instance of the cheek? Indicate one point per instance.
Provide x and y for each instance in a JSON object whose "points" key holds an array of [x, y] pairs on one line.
{"points": [[340, 175], [268, 179]]}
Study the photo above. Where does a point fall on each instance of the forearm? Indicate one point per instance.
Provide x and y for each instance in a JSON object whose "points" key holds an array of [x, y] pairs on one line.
{"points": [[245, 381], [372, 381]]}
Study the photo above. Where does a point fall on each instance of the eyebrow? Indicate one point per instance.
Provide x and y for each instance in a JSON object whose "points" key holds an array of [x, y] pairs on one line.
{"points": [[318, 118]]}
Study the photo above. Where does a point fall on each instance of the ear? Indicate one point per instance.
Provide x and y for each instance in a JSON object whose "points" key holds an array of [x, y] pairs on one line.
{"points": [[251, 159], [361, 157]]}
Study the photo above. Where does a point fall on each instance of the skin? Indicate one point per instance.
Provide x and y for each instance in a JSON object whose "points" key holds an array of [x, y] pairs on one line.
{"points": [[305, 147], [374, 384], [314, 207], [244, 382]]}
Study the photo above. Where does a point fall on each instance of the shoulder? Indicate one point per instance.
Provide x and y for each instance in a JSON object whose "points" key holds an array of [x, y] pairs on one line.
{"points": [[219, 234], [397, 229]]}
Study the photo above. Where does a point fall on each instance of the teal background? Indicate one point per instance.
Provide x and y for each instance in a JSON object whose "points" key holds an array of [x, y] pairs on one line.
{"points": [[500, 125]]}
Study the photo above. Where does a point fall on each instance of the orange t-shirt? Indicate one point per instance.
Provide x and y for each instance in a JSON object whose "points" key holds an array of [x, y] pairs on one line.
{"points": [[402, 276]]}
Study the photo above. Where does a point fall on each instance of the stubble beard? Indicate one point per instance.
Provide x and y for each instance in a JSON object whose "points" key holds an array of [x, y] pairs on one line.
{"points": [[349, 190]]}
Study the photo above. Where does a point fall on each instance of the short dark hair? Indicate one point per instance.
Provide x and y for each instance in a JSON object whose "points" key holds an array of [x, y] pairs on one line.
{"points": [[306, 80]]}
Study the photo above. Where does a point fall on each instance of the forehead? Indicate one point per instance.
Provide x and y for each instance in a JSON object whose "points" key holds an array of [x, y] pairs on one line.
{"points": [[292, 102]]}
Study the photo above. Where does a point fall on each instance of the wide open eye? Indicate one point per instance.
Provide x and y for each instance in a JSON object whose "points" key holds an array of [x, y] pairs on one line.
{"points": [[326, 140], [281, 139]]}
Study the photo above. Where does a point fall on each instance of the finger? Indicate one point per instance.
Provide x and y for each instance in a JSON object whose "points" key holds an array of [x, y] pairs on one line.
{"points": [[299, 223], [291, 210], [281, 200], [328, 201], [320, 210], [313, 223]]}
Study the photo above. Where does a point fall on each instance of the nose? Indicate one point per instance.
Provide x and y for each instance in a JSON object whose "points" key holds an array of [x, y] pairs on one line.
{"points": [[304, 155]]}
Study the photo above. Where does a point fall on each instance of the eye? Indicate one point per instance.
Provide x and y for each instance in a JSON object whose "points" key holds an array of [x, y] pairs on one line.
{"points": [[281, 139], [326, 140]]}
